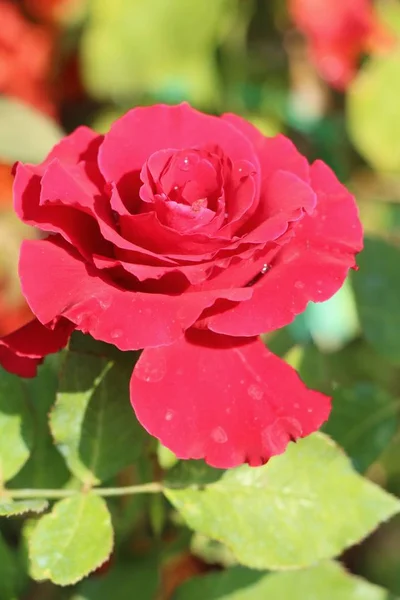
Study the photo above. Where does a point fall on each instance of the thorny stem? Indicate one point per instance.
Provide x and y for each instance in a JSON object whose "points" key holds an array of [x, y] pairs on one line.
{"points": [[146, 488]]}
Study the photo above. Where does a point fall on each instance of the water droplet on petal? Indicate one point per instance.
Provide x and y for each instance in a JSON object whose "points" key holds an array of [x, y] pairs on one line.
{"points": [[169, 415], [265, 268], [104, 303], [116, 333], [151, 370], [219, 435], [185, 164], [255, 392], [299, 285]]}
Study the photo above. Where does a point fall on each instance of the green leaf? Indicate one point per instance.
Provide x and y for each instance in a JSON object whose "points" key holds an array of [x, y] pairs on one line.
{"points": [[92, 421], [72, 541], [333, 323], [303, 506], [118, 61], [377, 291], [136, 579], [210, 551], [357, 363], [8, 573], [363, 421], [26, 134], [232, 584], [16, 435], [373, 111], [45, 467], [188, 472], [10, 508], [327, 581], [85, 344]]}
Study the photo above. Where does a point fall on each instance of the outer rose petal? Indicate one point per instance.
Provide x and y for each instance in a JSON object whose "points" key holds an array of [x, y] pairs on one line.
{"points": [[23, 350], [227, 400], [33, 205], [312, 266], [56, 283], [82, 144]]}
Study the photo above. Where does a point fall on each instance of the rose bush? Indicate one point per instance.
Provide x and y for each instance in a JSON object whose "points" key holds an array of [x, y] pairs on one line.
{"points": [[339, 32], [187, 235]]}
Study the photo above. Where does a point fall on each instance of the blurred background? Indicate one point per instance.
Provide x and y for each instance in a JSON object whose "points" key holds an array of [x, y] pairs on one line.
{"points": [[324, 72]]}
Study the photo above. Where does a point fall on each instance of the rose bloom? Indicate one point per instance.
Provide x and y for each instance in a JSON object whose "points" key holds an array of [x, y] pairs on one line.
{"points": [[26, 53], [187, 235], [339, 32]]}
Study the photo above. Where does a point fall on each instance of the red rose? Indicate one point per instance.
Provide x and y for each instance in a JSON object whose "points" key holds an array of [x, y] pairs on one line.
{"points": [[339, 32], [188, 235], [26, 52]]}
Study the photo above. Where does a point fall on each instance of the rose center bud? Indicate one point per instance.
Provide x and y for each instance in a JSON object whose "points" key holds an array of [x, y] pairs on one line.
{"points": [[184, 187]]}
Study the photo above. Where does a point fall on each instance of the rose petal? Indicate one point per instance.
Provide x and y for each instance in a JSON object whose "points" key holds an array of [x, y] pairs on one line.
{"points": [[57, 283], [123, 248], [82, 144], [23, 350], [313, 266], [275, 153], [143, 131], [227, 400], [76, 227], [68, 186]]}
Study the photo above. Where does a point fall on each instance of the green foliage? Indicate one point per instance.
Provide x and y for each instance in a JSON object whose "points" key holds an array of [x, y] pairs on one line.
{"points": [[11, 508], [377, 290], [45, 467], [26, 134], [192, 472], [126, 580], [16, 427], [327, 581], [73, 540], [8, 573], [303, 506], [363, 421], [118, 60], [374, 114], [92, 421]]}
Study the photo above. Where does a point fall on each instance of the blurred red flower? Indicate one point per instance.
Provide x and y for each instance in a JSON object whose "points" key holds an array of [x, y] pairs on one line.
{"points": [[26, 52], [50, 10], [339, 32], [14, 312]]}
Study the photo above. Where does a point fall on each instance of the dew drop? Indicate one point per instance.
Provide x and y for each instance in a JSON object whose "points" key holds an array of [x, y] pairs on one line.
{"points": [[152, 370], [116, 333], [264, 269], [185, 164], [255, 392], [104, 303], [219, 435], [169, 415], [299, 285]]}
